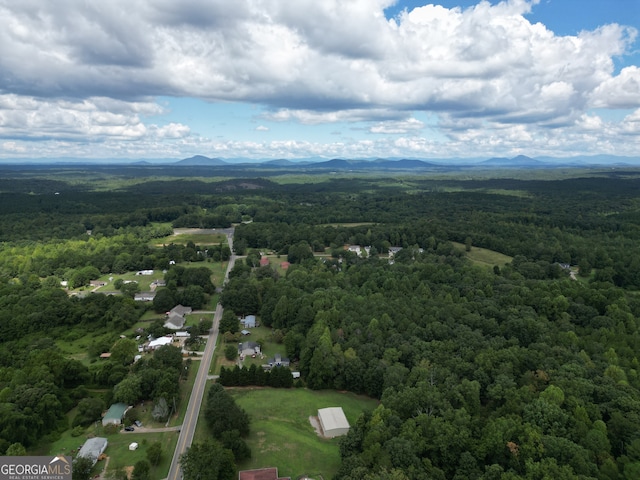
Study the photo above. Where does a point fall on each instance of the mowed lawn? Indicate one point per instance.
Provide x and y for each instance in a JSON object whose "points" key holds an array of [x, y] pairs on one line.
{"points": [[282, 435], [483, 256]]}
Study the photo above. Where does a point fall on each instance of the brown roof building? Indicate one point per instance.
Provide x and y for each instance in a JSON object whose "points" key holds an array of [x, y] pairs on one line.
{"points": [[261, 474]]}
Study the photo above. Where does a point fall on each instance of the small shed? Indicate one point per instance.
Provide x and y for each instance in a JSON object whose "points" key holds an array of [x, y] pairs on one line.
{"points": [[93, 448], [115, 414], [333, 421]]}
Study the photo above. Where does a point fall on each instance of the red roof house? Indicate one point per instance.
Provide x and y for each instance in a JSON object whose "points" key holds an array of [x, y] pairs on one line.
{"points": [[261, 474]]}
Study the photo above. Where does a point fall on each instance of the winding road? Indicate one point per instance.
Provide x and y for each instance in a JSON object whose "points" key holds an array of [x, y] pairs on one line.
{"points": [[195, 400]]}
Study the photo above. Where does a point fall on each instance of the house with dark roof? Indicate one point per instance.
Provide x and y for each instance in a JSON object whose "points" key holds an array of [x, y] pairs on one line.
{"points": [[250, 349], [144, 296], [278, 361]]}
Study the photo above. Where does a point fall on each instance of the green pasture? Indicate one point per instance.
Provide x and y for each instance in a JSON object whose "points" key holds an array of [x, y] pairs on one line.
{"points": [[74, 342], [484, 257], [121, 457], [197, 238], [282, 435]]}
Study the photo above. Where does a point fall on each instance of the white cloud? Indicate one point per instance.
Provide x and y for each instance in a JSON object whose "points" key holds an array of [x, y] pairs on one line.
{"points": [[631, 124], [13, 147], [89, 119], [395, 127], [75, 71], [622, 91], [311, 117], [262, 128]]}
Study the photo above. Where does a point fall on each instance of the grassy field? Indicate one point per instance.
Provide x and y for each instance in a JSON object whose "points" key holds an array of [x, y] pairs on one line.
{"points": [[282, 435], [183, 238], [484, 257]]}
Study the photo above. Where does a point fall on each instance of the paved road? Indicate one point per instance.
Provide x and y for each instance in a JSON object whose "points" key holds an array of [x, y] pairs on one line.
{"points": [[195, 401]]}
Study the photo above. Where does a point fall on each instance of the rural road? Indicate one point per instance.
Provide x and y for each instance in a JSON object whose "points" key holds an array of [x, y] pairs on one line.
{"points": [[195, 400]]}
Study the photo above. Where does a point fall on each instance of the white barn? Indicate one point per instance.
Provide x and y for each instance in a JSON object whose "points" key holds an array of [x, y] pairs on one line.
{"points": [[333, 421]]}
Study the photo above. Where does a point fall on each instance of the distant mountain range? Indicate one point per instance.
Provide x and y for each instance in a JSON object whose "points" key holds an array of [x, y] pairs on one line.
{"points": [[341, 164], [521, 161]]}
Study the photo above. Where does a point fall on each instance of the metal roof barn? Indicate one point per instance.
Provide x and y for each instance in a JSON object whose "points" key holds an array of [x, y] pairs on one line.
{"points": [[333, 421]]}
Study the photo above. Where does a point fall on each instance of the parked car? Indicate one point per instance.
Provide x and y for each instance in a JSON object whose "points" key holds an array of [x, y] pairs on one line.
{"points": [[129, 429], [138, 423]]}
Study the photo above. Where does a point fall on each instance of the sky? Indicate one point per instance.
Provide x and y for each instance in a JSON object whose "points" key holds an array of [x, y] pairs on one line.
{"points": [[292, 79]]}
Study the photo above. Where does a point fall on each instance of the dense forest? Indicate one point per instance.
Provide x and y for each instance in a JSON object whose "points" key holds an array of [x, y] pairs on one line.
{"points": [[520, 370]]}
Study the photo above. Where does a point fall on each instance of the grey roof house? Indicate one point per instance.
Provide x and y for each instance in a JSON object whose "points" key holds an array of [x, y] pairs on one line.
{"points": [[248, 349], [93, 448], [174, 321], [278, 361]]}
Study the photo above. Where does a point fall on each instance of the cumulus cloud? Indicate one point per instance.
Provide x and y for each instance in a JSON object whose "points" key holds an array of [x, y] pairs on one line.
{"points": [[72, 69], [621, 91], [395, 127], [89, 119], [332, 53]]}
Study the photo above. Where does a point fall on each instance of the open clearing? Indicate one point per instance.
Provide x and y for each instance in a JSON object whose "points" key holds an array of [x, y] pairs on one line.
{"points": [[483, 256], [282, 435]]}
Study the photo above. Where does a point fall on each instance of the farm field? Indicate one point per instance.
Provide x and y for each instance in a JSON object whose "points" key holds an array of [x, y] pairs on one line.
{"points": [[282, 435]]}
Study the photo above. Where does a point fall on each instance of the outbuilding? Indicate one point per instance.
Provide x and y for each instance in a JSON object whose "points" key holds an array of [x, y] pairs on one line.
{"points": [[115, 414], [160, 342], [93, 448], [333, 421]]}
